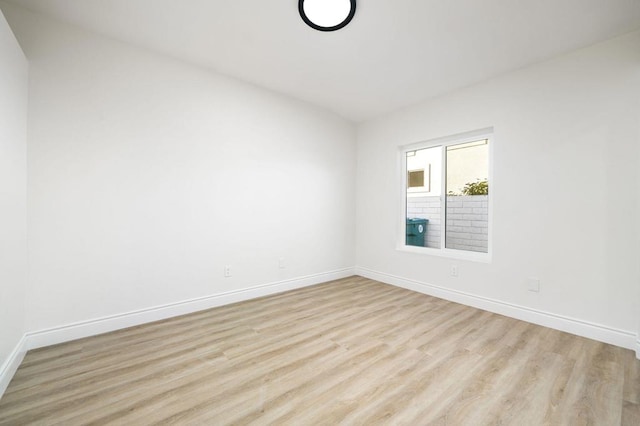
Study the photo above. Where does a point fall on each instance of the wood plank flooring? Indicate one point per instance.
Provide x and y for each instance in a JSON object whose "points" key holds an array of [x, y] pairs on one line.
{"points": [[352, 351]]}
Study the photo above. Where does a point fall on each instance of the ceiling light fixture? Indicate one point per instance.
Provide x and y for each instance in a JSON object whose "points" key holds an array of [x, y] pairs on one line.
{"points": [[327, 15]]}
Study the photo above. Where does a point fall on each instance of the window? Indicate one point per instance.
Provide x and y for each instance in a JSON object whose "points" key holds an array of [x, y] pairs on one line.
{"points": [[416, 179], [446, 195]]}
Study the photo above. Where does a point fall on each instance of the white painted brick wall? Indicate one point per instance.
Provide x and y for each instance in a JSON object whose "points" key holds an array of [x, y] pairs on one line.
{"points": [[468, 223], [467, 220]]}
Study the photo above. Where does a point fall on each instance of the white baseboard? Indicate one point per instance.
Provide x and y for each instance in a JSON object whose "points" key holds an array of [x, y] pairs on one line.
{"points": [[96, 326], [622, 338], [11, 364]]}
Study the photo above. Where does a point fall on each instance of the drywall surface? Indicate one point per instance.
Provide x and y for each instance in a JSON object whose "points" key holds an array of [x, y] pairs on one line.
{"points": [[13, 192], [564, 188], [147, 176]]}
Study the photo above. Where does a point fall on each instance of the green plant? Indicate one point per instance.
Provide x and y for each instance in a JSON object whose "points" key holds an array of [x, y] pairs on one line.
{"points": [[480, 187]]}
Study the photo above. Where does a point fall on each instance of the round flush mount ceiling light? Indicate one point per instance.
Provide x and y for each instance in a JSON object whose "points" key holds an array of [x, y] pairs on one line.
{"points": [[327, 15]]}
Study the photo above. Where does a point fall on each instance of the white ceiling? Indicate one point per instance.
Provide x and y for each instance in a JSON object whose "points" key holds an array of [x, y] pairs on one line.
{"points": [[393, 54]]}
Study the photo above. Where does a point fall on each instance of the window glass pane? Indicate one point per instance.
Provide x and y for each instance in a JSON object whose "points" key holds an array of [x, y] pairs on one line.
{"points": [[467, 201], [423, 202]]}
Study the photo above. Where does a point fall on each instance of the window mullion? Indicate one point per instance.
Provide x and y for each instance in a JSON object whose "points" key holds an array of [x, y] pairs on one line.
{"points": [[443, 198]]}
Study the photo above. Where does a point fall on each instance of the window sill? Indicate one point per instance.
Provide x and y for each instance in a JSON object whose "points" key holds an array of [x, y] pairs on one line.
{"points": [[448, 253]]}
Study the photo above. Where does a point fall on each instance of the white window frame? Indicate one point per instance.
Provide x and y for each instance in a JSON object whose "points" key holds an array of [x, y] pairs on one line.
{"points": [[487, 133]]}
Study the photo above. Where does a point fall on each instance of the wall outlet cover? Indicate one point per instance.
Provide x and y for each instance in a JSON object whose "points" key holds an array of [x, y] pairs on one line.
{"points": [[454, 271]]}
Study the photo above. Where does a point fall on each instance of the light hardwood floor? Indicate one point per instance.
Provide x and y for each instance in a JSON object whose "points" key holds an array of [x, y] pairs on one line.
{"points": [[352, 351]]}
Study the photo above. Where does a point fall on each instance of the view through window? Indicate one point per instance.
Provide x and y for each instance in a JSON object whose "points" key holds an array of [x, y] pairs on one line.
{"points": [[447, 196]]}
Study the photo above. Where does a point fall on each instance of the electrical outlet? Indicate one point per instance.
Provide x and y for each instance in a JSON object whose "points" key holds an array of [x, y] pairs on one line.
{"points": [[282, 263], [533, 284], [454, 271], [227, 271]]}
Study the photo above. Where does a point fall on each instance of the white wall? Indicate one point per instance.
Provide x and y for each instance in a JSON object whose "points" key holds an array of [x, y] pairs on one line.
{"points": [[147, 176], [429, 160], [565, 192], [13, 197]]}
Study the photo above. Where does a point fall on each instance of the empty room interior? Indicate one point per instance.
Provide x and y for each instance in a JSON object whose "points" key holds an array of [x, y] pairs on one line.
{"points": [[320, 212]]}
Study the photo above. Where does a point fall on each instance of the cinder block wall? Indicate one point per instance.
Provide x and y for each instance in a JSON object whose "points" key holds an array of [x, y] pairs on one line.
{"points": [[467, 220]]}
